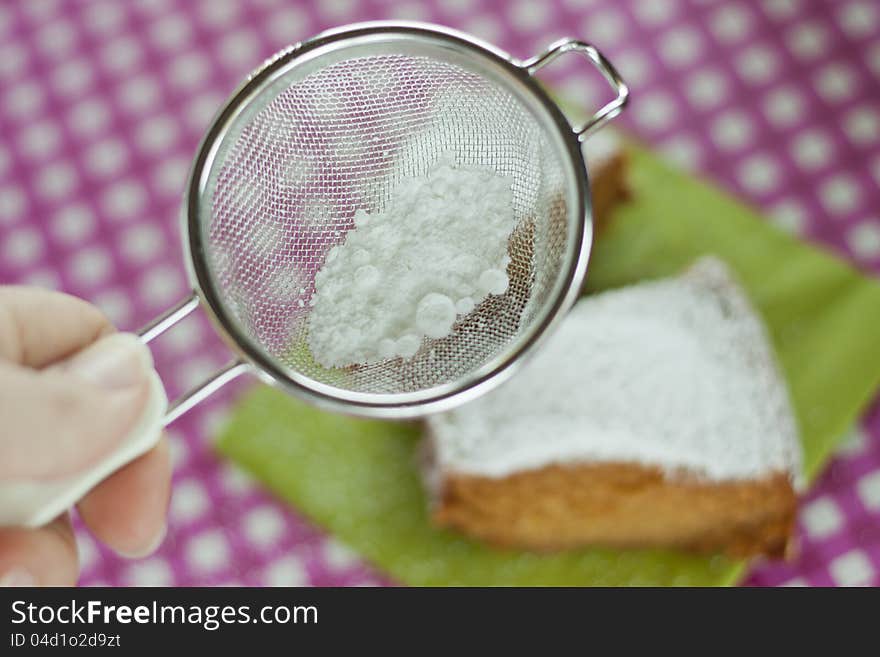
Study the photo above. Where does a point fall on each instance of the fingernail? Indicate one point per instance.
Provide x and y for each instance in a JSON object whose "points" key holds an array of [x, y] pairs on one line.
{"points": [[149, 549], [116, 361], [17, 577]]}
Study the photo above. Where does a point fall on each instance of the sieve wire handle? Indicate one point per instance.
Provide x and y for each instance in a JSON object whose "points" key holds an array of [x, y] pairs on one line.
{"points": [[217, 380], [613, 107], [32, 503]]}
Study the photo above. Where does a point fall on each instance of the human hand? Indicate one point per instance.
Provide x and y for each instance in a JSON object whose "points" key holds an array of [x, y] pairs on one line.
{"points": [[66, 400]]}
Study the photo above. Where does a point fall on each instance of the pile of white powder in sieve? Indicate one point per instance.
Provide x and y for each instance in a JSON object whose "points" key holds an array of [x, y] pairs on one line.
{"points": [[408, 272]]}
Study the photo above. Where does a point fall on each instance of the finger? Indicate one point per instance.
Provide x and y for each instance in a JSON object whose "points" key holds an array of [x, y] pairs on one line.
{"points": [[39, 557], [63, 419], [39, 327], [127, 510]]}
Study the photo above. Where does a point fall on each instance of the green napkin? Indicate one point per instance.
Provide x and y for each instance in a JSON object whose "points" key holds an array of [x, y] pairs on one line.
{"points": [[358, 478]]}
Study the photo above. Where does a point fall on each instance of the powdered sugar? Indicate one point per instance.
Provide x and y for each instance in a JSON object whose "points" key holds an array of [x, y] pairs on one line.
{"points": [[437, 249], [676, 373]]}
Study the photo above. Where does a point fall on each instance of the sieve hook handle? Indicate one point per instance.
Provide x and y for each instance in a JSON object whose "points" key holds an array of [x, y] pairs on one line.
{"points": [[32, 503], [217, 380], [613, 107]]}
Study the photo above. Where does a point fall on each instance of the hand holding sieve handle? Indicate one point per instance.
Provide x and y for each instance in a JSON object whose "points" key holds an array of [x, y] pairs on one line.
{"points": [[32, 503]]}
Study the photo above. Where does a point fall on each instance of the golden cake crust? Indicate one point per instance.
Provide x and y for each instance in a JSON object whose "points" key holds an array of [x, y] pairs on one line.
{"points": [[619, 505]]}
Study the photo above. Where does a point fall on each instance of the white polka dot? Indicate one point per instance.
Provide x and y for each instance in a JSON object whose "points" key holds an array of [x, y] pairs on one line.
{"points": [[864, 240], [655, 12], [287, 571], [681, 46], [13, 204], [194, 371], [862, 125], [180, 451], [875, 169], [219, 13], [859, 19], [812, 149], [485, 27], [22, 247], [732, 130], [39, 9], [633, 66], [90, 266], [170, 176], [836, 82], [707, 88], [288, 25], [201, 110], [790, 216], [236, 481], [24, 100], [852, 569], [121, 55], [821, 518], [56, 39], [116, 305], [124, 199], [44, 278], [808, 40], [784, 106], [87, 550], [208, 551], [579, 4], [72, 78], [450, 6], [264, 526], [139, 94], [781, 8], [408, 11], [189, 501], [683, 150], [731, 23], [5, 159], [103, 17], [72, 224], [527, 16], [186, 335], [872, 58], [161, 286], [854, 443], [239, 50], [13, 59], [39, 140], [189, 70], [149, 572], [869, 490], [759, 174], [795, 582], [107, 157], [141, 243], [170, 32], [157, 134], [839, 195], [606, 27], [338, 556], [56, 180], [655, 111], [757, 64], [89, 117], [152, 6]]}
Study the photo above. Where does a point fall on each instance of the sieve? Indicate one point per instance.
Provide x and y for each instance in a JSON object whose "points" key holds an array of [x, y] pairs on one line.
{"points": [[331, 125]]}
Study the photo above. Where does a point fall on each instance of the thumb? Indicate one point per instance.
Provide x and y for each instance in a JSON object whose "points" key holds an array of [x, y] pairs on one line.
{"points": [[60, 420]]}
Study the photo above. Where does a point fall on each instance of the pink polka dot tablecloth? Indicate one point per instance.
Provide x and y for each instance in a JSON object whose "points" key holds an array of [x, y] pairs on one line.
{"points": [[102, 105]]}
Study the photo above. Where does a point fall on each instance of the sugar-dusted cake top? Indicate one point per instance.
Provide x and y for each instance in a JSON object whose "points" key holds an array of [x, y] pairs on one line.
{"points": [[676, 373]]}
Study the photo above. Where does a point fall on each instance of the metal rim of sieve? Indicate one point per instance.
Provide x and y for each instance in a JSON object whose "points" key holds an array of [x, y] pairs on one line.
{"points": [[249, 356]]}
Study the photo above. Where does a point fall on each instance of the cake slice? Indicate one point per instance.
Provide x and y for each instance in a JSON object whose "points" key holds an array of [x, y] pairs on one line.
{"points": [[655, 417], [607, 168]]}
